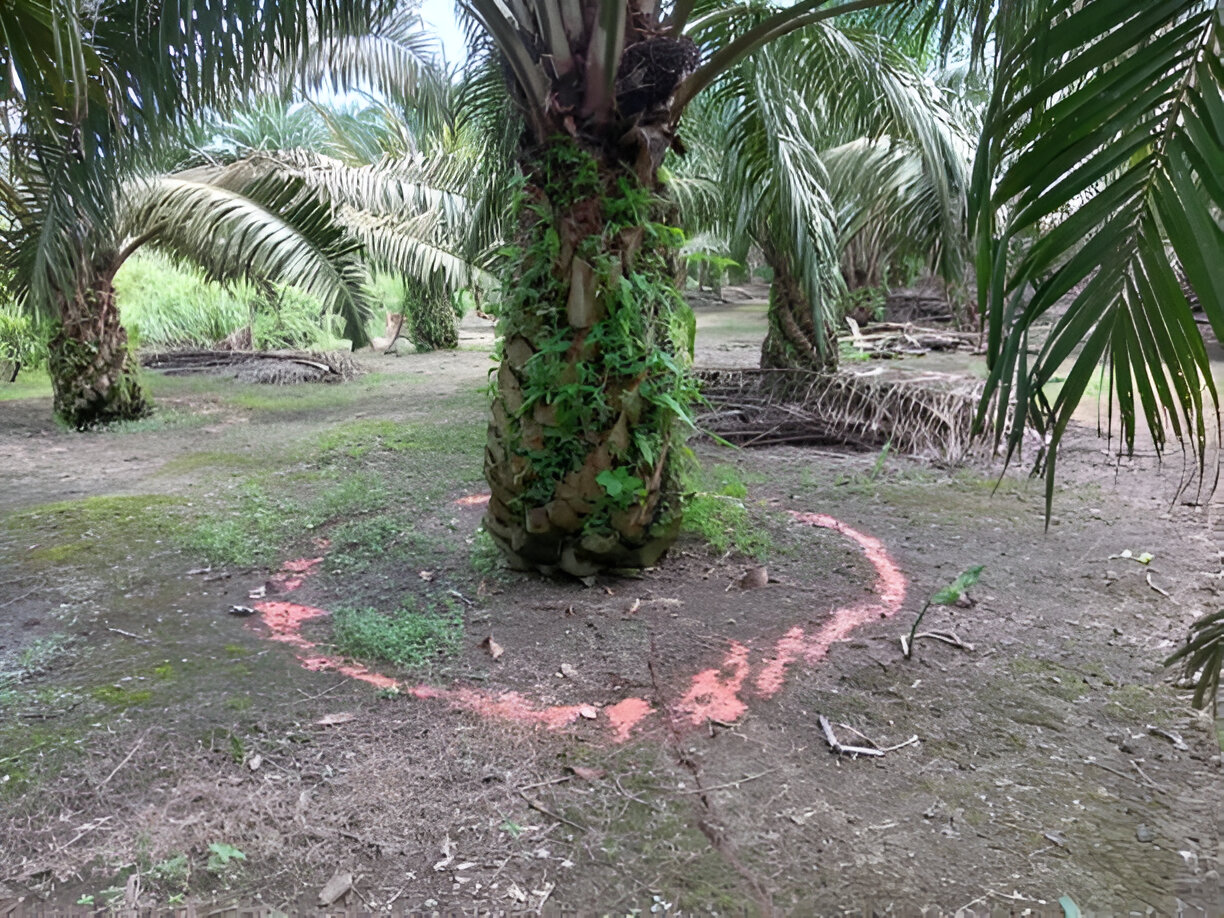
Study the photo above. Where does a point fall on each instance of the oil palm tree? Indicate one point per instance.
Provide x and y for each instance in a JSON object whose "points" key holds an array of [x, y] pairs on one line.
{"points": [[831, 179], [592, 386], [1116, 100], [91, 91]]}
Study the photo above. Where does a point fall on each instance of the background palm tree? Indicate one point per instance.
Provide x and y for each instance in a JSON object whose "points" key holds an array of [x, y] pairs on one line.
{"points": [[833, 179], [98, 88]]}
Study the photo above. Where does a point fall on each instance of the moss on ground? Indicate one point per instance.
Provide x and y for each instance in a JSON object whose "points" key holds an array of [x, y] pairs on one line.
{"points": [[97, 530]]}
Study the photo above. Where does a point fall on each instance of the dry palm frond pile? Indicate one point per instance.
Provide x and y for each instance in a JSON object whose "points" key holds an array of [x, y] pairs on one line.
{"points": [[928, 414], [276, 367]]}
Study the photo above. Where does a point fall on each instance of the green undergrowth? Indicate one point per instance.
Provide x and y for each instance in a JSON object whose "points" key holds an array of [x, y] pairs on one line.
{"points": [[28, 661], [218, 462], [418, 634], [266, 517], [716, 511], [161, 419], [357, 439], [359, 544]]}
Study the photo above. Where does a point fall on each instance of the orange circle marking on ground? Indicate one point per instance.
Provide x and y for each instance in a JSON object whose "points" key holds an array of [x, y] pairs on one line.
{"points": [[720, 694]]}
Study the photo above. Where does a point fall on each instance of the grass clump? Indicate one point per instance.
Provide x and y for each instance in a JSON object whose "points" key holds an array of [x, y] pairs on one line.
{"points": [[716, 513], [484, 556], [412, 636], [359, 438], [260, 524], [357, 544]]}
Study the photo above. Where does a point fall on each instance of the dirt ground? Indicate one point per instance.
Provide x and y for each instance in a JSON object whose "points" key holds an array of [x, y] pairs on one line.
{"points": [[149, 737]]}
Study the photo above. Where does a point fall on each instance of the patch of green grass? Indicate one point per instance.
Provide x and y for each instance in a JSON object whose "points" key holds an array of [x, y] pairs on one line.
{"points": [[357, 543], [31, 659], [261, 522], [354, 494], [247, 533], [484, 555], [360, 438], [120, 696], [716, 513], [411, 636], [161, 419], [29, 384], [31, 752], [308, 397]]}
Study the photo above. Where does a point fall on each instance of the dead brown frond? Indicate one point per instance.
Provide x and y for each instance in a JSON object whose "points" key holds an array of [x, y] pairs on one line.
{"points": [[275, 367], [928, 414]]}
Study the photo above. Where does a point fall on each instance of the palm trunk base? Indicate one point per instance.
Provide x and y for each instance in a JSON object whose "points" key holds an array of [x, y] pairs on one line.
{"points": [[790, 342], [94, 377], [593, 379]]}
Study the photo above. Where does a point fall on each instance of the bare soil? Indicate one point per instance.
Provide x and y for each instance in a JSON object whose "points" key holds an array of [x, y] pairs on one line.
{"points": [[142, 723]]}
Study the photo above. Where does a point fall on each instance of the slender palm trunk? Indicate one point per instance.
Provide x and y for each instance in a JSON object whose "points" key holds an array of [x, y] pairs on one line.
{"points": [[791, 342], [94, 376], [596, 342]]}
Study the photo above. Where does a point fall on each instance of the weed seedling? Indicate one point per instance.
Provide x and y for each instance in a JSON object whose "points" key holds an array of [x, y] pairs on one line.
{"points": [[221, 856], [942, 597]]}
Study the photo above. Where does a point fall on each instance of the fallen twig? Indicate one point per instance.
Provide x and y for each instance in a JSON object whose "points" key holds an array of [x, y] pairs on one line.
{"points": [[85, 830], [9, 602], [909, 742], [540, 808], [1164, 593], [714, 787], [134, 637], [1150, 783], [127, 758], [1178, 743], [838, 747], [947, 637], [560, 780]]}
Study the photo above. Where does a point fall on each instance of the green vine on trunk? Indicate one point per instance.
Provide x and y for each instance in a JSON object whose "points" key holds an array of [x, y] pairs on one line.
{"points": [[630, 375]]}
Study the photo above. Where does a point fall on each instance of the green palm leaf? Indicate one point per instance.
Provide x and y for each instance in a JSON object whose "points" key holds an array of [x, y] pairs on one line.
{"points": [[276, 231], [1105, 140]]}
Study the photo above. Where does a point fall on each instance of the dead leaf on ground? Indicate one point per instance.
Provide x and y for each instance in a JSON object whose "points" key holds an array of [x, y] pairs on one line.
{"points": [[254, 762], [589, 711], [753, 578], [568, 671], [335, 888], [331, 720], [491, 647], [425, 575], [587, 774]]}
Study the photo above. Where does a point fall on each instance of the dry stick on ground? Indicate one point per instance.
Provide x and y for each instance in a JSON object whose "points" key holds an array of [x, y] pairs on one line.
{"points": [[838, 747], [126, 759], [560, 780], [9, 602], [540, 808], [947, 637]]}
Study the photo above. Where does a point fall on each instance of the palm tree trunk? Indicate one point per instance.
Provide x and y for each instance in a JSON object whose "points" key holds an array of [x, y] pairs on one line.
{"points": [[791, 342], [595, 348], [94, 377]]}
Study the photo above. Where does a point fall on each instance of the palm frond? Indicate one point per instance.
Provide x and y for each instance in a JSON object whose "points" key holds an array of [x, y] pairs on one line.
{"points": [[277, 231], [1098, 180]]}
